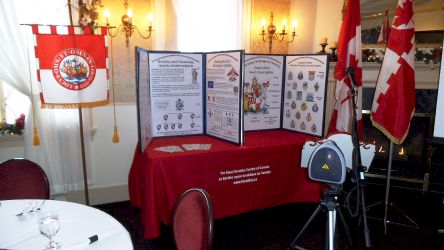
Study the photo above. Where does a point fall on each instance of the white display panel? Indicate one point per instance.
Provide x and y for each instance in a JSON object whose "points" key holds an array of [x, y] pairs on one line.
{"points": [[143, 99], [439, 116], [176, 93], [262, 88], [304, 93], [223, 95]]}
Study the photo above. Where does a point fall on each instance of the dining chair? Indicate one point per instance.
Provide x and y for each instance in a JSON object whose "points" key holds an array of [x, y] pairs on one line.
{"points": [[22, 179], [193, 220]]}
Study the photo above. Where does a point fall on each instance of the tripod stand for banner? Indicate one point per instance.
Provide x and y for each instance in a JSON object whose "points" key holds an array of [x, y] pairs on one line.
{"points": [[388, 204]]}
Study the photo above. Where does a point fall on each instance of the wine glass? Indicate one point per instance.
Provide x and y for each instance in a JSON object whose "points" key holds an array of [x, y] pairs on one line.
{"points": [[49, 226]]}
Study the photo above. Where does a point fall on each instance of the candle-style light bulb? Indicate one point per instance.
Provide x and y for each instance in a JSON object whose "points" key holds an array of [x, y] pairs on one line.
{"points": [[284, 23], [130, 15], [107, 14], [294, 23], [150, 19], [263, 22]]}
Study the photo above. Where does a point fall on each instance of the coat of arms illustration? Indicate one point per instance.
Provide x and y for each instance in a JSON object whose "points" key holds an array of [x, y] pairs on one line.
{"points": [[255, 96]]}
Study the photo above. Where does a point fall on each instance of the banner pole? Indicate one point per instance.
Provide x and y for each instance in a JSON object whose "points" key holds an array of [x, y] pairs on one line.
{"points": [[82, 146], [387, 186], [82, 141]]}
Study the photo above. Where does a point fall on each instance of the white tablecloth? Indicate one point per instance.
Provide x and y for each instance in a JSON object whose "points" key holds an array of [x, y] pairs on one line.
{"points": [[77, 224]]}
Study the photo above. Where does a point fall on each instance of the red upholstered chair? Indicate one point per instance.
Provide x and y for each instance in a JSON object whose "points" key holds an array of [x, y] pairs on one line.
{"points": [[22, 179], [193, 220]]}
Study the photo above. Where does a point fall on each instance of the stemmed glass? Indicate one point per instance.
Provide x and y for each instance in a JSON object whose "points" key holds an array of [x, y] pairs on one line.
{"points": [[49, 226]]}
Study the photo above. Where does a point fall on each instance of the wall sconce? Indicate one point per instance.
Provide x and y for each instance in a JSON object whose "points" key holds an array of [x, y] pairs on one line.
{"points": [[270, 34], [127, 25]]}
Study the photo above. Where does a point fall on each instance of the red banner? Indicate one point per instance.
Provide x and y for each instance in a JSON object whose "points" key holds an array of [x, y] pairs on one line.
{"points": [[72, 66], [394, 101], [349, 55]]}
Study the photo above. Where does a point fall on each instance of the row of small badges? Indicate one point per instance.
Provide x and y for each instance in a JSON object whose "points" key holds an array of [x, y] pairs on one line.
{"points": [[304, 106], [167, 126], [312, 74], [305, 85], [303, 126]]}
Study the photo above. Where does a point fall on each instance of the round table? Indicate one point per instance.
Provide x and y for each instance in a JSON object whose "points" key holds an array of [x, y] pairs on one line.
{"points": [[77, 224]]}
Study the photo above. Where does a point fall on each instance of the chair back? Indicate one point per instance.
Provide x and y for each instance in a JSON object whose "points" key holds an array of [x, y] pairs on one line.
{"points": [[193, 220], [22, 179]]}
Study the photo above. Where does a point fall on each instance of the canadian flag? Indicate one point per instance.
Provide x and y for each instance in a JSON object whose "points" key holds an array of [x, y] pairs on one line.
{"points": [[385, 29], [394, 100], [349, 55], [72, 66]]}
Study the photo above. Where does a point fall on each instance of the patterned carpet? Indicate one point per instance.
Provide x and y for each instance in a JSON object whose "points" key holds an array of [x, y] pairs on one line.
{"points": [[275, 228]]}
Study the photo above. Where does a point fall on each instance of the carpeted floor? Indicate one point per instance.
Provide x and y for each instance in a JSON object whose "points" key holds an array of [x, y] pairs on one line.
{"points": [[275, 228]]}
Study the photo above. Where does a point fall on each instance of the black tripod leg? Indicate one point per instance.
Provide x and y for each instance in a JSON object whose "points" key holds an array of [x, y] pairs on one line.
{"points": [[310, 220], [368, 242], [344, 224]]}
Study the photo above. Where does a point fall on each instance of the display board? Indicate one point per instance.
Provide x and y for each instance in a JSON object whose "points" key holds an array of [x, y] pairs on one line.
{"points": [[176, 92], [173, 94], [143, 99], [287, 92], [304, 93], [439, 114], [223, 92], [263, 79]]}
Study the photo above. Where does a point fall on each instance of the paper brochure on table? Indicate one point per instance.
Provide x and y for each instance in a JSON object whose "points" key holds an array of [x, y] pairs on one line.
{"points": [[196, 146], [189, 94], [169, 149], [263, 91]]}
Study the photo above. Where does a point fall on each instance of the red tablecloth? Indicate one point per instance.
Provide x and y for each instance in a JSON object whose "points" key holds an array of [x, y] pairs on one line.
{"points": [[262, 173]]}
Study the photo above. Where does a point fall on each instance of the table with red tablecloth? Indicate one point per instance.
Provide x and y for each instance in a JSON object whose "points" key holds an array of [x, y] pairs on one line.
{"points": [[262, 173]]}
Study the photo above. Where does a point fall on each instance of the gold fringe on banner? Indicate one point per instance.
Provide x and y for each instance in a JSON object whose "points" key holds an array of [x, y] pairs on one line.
{"points": [[74, 105], [116, 133], [36, 140]]}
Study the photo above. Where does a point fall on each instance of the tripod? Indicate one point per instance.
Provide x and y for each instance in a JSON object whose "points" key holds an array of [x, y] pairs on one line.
{"points": [[329, 204], [388, 204]]}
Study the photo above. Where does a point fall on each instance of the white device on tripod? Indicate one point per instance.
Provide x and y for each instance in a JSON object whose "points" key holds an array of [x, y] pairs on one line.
{"points": [[345, 144]]}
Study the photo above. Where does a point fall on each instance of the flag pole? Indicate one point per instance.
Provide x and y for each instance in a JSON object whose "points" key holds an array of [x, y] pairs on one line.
{"points": [[378, 115], [387, 186], [82, 146], [82, 141]]}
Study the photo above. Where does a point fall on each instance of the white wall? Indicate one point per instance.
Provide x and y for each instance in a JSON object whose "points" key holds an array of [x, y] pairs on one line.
{"points": [[11, 147], [110, 162], [328, 22], [303, 12]]}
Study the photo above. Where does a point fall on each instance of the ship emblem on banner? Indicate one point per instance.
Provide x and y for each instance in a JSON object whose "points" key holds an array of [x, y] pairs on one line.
{"points": [[72, 66]]}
